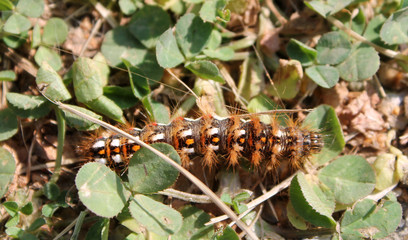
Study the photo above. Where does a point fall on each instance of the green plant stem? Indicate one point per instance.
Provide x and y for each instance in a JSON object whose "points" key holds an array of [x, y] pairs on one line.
{"points": [[78, 224], [60, 147]]}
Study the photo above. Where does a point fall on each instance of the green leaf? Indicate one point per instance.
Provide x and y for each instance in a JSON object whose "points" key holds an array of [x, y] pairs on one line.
{"points": [[312, 203], [27, 209], [359, 22], [48, 55], [154, 216], [49, 209], [370, 221], [103, 67], [99, 231], [301, 52], [101, 190], [223, 53], [167, 52], [261, 103], [16, 41], [8, 167], [30, 8], [128, 7], [55, 31], [14, 232], [54, 87], [286, 79], [227, 234], [349, 177], [138, 82], [120, 44], [17, 24], [6, 5], [205, 70], [36, 36], [87, 80], [8, 126], [362, 63], [157, 111], [332, 48], [328, 7], [226, 198], [36, 224], [194, 225], [372, 32], [324, 118], [297, 221], [13, 221], [122, 96], [80, 123], [148, 173], [395, 29], [11, 207], [27, 106], [192, 34], [211, 9], [148, 24], [107, 107], [324, 76], [51, 191]]}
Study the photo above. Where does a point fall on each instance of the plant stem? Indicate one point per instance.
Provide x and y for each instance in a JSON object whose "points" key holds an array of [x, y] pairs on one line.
{"points": [[60, 147]]}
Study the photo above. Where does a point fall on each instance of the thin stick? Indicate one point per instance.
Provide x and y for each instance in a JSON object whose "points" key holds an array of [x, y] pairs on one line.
{"points": [[215, 199]]}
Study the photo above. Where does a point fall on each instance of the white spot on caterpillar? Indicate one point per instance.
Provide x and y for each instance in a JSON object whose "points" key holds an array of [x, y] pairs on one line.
{"points": [[117, 158], [186, 133], [99, 144], [115, 142], [157, 137], [213, 131], [241, 132], [188, 150], [215, 148], [101, 160]]}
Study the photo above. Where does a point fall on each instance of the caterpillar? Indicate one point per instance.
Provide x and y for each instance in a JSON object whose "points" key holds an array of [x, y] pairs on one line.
{"points": [[208, 136]]}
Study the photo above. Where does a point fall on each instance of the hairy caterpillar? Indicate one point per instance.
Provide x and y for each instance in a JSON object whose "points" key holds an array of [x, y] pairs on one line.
{"points": [[233, 137]]}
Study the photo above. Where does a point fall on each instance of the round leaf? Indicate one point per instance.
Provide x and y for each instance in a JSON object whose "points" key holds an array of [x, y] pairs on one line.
{"points": [[395, 29], [107, 107], [362, 63], [324, 118], [120, 44], [311, 203], [148, 173], [154, 216], [349, 178], [167, 52], [87, 80], [47, 55], [194, 225], [54, 87], [8, 166], [55, 31], [301, 52], [101, 190], [17, 24], [9, 124], [332, 48], [324, 76], [27, 106], [205, 70], [31, 8], [370, 221], [192, 34], [148, 24]]}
